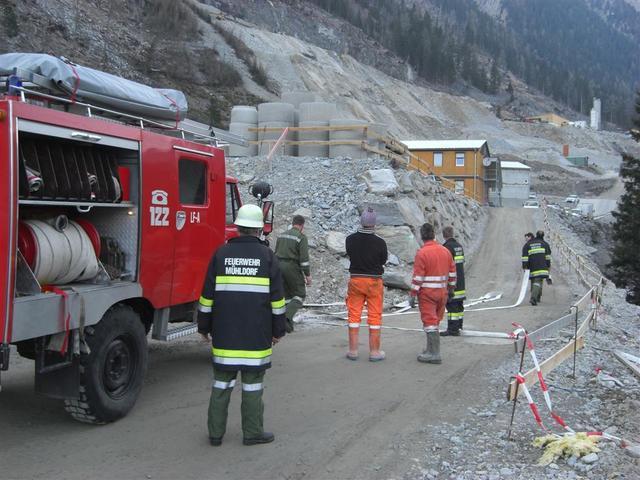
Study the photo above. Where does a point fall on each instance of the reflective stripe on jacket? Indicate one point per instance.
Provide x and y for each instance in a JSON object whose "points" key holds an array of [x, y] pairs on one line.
{"points": [[242, 304], [433, 268], [457, 252], [536, 257]]}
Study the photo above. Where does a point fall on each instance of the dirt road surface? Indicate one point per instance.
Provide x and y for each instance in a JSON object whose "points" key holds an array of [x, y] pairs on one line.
{"points": [[332, 418]]}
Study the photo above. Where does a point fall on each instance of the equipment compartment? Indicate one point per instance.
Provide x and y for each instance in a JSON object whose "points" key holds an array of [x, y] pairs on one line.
{"points": [[82, 184]]}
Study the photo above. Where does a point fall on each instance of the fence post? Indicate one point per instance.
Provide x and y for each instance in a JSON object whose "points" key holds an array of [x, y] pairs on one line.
{"points": [[575, 342], [515, 396]]}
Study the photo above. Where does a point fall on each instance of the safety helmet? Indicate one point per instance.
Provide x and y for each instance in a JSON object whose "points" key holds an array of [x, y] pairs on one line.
{"points": [[250, 216]]}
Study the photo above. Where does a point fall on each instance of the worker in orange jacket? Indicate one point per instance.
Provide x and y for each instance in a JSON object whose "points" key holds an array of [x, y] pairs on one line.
{"points": [[434, 275]]}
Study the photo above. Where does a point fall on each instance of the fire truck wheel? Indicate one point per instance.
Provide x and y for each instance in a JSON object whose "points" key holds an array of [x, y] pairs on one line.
{"points": [[111, 375]]}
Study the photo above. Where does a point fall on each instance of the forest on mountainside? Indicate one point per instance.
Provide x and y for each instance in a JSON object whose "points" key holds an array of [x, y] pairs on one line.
{"points": [[563, 48]]}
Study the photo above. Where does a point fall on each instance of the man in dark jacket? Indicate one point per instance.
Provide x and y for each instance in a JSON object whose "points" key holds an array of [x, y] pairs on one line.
{"points": [[367, 254], [536, 257], [242, 308], [455, 305]]}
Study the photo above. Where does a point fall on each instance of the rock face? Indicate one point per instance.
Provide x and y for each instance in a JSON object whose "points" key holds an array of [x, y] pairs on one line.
{"points": [[400, 242], [331, 193], [386, 213], [411, 212], [395, 278], [381, 182], [335, 242]]}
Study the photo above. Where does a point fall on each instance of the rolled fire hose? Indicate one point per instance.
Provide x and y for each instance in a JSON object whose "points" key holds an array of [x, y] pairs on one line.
{"points": [[34, 179], [62, 256]]}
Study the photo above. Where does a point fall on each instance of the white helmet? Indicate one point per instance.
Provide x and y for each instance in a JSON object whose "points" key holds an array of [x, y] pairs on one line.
{"points": [[250, 216]]}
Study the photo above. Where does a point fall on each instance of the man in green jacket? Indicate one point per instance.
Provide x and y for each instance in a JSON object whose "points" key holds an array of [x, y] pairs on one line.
{"points": [[292, 249]]}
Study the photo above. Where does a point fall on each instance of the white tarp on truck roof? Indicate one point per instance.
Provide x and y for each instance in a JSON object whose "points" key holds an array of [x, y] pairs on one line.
{"points": [[96, 87]]}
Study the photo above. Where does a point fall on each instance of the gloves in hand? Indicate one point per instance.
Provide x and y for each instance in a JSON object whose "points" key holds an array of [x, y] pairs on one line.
{"points": [[549, 281], [412, 301]]}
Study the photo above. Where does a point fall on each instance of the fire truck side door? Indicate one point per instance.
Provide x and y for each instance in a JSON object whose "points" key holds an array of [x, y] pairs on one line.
{"points": [[199, 220]]}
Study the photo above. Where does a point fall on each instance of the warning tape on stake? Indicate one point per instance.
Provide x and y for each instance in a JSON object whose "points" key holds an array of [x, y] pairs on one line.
{"points": [[543, 386]]}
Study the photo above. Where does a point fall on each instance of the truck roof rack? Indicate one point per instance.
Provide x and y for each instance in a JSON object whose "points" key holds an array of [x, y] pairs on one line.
{"points": [[37, 89]]}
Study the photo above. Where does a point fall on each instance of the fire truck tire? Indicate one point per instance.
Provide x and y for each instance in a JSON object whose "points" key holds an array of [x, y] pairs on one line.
{"points": [[111, 376]]}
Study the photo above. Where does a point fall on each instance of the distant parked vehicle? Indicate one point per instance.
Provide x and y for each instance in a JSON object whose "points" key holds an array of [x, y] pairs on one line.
{"points": [[533, 196], [574, 199], [531, 204]]}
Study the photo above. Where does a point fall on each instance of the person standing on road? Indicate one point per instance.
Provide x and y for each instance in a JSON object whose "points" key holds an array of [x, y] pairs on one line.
{"points": [[242, 308], [292, 250], [434, 275], [367, 254], [536, 257], [455, 305]]}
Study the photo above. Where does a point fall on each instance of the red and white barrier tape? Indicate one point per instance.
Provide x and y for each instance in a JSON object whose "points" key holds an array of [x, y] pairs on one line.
{"points": [[543, 386]]}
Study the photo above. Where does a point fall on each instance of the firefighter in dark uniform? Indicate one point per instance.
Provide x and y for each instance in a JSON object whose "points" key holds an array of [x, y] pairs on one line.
{"points": [[536, 257], [242, 309], [455, 305], [292, 250]]}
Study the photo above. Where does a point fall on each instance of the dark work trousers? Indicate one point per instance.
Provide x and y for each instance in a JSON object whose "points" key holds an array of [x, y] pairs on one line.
{"points": [[252, 408], [294, 289], [455, 315], [536, 288]]}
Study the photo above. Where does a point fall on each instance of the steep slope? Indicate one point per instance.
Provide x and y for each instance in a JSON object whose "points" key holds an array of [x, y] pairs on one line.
{"points": [[410, 110], [136, 39]]}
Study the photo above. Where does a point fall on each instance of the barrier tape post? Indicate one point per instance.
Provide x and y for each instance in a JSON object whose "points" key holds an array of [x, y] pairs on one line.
{"points": [[575, 343], [515, 399]]}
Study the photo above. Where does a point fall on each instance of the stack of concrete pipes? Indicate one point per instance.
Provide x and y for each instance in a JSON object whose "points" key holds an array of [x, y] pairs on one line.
{"points": [[243, 118], [300, 109]]}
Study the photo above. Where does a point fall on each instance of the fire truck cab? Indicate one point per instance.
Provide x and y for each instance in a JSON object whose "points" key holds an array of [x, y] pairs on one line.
{"points": [[106, 230]]}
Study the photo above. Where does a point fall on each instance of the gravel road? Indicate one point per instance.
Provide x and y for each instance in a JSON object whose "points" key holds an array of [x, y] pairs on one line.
{"points": [[332, 418]]}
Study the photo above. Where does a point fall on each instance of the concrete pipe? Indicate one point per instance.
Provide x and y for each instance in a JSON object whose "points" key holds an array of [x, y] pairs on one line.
{"points": [[296, 98], [275, 112], [313, 150], [242, 129], [353, 151], [379, 129], [317, 111], [294, 135], [267, 139], [244, 114]]}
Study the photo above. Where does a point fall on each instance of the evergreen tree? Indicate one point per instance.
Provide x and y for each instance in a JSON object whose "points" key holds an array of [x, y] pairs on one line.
{"points": [[494, 78], [625, 261]]}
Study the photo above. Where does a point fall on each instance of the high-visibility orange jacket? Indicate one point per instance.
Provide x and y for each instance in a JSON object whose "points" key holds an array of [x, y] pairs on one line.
{"points": [[433, 268]]}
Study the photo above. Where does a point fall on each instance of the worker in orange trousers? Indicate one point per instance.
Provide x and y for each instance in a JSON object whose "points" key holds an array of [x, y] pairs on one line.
{"points": [[367, 254], [434, 275]]}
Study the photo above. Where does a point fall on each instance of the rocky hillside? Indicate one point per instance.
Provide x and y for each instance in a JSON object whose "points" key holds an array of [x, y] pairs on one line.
{"points": [[331, 194], [220, 59]]}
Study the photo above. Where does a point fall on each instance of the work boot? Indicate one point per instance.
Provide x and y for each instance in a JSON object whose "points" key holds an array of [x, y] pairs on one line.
{"points": [[375, 354], [288, 326], [352, 354], [453, 329], [432, 352], [266, 437], [533, 301], [215, 441], [450, 333]]}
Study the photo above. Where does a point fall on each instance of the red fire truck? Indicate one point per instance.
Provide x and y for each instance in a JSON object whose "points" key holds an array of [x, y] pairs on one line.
{"points": [[107, 225]]}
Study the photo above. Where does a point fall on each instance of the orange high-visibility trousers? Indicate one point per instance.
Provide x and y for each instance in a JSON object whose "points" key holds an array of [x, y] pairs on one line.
{"points": [[363, 290], [432, 302]]}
